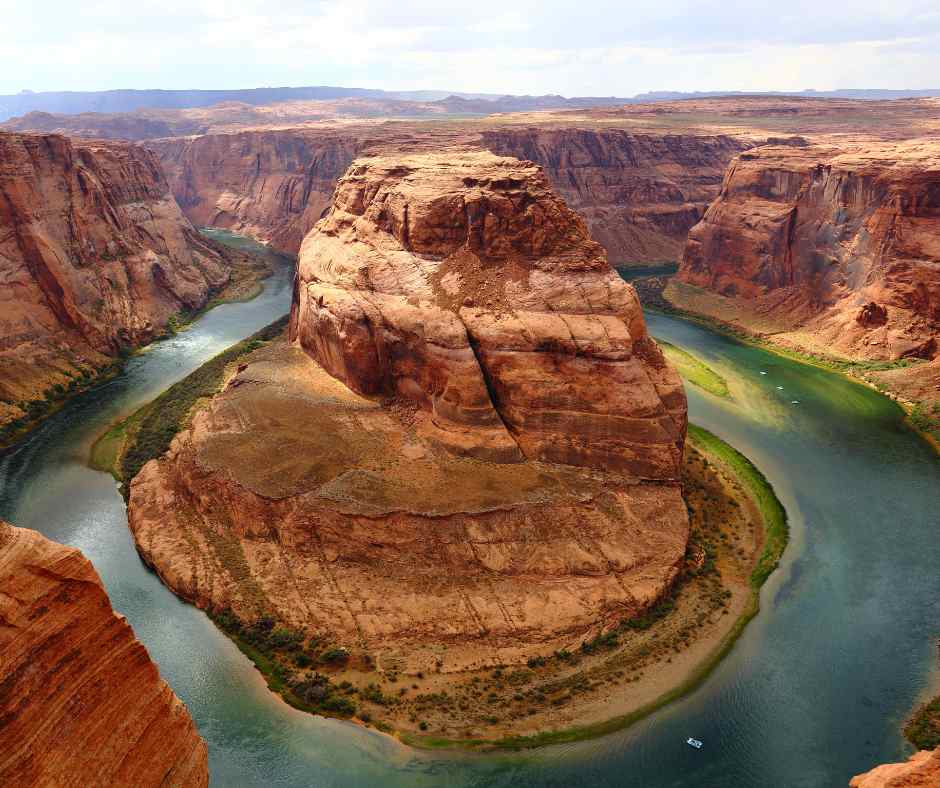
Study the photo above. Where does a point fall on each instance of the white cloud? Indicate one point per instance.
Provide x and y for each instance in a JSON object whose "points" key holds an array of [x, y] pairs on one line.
{"points": [[602, 47]]}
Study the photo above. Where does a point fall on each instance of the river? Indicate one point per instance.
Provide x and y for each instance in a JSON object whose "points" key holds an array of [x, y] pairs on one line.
{"points": [[813, 692]]}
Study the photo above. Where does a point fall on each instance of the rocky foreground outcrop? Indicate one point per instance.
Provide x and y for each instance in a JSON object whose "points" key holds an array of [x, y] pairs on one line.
{"points": [[95, 257], [472, 442], [921, 770], [81, 703], [830, 249]]}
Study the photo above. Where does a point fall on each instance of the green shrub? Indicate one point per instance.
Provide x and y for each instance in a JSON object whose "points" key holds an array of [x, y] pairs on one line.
{"points": [[335, 656], [374, 694], [923, 731], [285, 639], [339, 705], [605, 640]]}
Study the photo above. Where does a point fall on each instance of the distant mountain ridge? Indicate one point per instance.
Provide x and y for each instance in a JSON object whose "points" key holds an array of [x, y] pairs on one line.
{"points": [[74, 102], [862, 94], [114, 101]]}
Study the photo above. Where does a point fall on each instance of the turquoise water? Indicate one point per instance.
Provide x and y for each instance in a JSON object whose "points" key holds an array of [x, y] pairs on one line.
{"points": [[812, 693]]}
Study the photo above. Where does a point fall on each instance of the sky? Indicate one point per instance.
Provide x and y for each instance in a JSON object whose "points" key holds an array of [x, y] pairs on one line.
{"points": [[575, 48]]}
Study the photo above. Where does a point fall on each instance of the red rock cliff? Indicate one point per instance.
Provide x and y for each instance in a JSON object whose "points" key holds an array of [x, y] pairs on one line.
{"points": [[840, 247], [638, 193], [81, 704], [463, 283], [273, 185], [95, 256]]}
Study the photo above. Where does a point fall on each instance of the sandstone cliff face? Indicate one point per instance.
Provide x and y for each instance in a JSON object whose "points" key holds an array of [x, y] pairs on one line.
{"points": [[272, 185], [462, 283], [95, 256], [922, 770], [638, 193], [81, 704], [840, 246], [471, 440]]}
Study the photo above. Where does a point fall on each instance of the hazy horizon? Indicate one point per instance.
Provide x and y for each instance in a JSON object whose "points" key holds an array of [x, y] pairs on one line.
{"points": [[530, 48]]}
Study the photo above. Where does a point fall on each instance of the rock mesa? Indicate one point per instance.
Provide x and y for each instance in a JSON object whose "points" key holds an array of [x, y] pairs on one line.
{"points": [[638, 193], [463, 284], [471, 441]]}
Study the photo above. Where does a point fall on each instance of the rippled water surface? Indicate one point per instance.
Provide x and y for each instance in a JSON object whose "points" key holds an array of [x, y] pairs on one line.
{"points": [[812, 693]]}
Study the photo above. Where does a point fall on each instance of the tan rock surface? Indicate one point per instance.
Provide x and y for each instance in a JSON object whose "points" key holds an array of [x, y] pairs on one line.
{"points": [[293, 496], [921, 770], [81, 703], [95, 256]]}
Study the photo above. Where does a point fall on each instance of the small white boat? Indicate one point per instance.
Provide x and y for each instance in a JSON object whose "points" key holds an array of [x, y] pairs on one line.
{"points": [[763, 373], [794, 402], [779, 388], [694, 743]]}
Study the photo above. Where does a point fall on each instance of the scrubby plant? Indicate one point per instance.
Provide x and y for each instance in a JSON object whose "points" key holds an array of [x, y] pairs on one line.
{"points": [[335, 656]]}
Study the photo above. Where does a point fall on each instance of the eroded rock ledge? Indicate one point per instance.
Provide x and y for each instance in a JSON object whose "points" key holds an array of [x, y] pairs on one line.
{"points": [[468, 456], [81, 703], [95, 258], [922, 769]]}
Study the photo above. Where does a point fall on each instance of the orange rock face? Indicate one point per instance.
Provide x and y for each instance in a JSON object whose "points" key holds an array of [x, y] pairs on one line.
{"points": [[922, 770], [462, 283], [840, 245], [271, 185], [638, 193], [471, 441], [95, 256], [81, 704]]}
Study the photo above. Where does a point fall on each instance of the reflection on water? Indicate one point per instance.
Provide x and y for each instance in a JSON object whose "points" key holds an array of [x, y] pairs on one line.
{"points": [[812, 693]]}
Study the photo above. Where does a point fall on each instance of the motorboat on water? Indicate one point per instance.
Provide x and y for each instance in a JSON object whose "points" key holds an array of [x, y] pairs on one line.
{"points": [[694, 743]]}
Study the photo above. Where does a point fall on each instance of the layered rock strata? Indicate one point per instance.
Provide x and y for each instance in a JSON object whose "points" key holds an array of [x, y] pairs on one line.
{"points": [[81, 703], [95, 257], [830, 249], [273, 185], [471, 441], [639, 193], [463, 284]]}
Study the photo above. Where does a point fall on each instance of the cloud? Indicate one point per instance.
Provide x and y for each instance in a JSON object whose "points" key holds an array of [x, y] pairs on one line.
{"points": [[592, 48]]}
